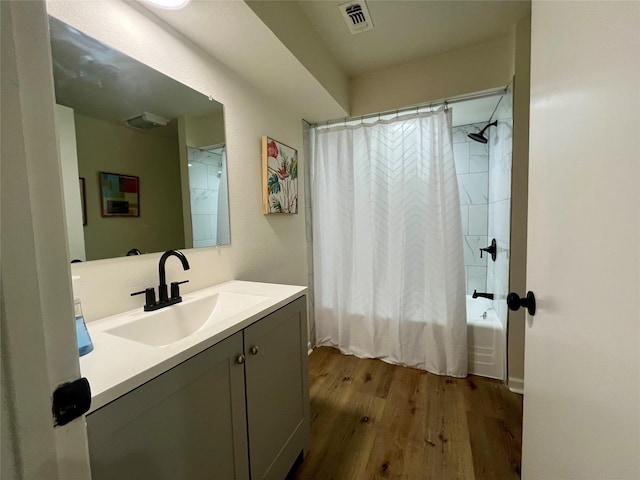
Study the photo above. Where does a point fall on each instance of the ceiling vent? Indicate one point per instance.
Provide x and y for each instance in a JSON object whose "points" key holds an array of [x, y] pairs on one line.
{"points": [[146, 120], [357, 16]]}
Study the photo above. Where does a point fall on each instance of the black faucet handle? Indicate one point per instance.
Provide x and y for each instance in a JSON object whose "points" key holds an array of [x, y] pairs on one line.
{"points": [[491, 249], [149, 296], [175, 288]]}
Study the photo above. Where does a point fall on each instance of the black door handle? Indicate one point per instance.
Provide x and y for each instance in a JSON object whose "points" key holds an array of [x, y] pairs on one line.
{"points": [[71, 401], [529, 302]]}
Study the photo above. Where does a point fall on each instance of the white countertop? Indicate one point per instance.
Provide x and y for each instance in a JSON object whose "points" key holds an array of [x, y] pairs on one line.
{"points": [[117, 365]]}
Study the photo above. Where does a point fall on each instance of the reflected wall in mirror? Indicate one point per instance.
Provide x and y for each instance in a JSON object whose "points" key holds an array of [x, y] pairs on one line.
{"points": [[115, 114]]}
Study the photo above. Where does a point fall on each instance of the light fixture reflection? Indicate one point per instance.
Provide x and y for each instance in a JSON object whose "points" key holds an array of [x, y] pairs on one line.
{"points": [[168, 4]]}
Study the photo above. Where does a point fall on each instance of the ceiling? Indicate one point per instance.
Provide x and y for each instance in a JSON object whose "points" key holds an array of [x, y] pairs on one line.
{"points": [[242, 34], [410, 30]]}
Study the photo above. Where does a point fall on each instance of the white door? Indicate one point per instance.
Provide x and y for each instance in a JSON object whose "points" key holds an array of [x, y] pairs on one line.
{"points": [[582, 362], [39, 350]]}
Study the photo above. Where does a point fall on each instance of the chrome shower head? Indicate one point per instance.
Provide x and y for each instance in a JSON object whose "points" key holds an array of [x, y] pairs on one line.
{"points": [[479, 137]]}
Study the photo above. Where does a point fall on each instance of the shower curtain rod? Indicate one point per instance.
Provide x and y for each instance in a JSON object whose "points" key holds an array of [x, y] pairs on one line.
{"points": [[414, 108]]}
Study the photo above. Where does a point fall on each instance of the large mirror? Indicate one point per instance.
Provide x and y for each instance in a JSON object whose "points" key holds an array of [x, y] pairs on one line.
{"points": [[144, 157]]}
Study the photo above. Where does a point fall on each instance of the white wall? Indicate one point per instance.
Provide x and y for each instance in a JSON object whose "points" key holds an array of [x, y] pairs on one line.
{"points": [[8, 456], [108, 147], [264, 248], [204, 130], [66, 133], [477, 68]]}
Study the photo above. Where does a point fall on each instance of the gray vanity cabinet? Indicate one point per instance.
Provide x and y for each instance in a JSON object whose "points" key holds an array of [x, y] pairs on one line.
{"points": [[189, 423], [277, 390], [238, 410]]}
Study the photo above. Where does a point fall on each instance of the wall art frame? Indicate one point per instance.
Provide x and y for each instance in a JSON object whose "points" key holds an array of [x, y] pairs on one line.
{"points": [[279, 177], [119, 195], [83, 200]]}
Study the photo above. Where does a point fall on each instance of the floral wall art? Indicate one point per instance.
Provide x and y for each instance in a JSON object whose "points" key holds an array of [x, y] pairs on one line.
{"points": [[279, 177]]}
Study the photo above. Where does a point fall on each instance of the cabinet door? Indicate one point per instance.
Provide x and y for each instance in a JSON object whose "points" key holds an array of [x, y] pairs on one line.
{"points": [[188, 423], [277, 390]]}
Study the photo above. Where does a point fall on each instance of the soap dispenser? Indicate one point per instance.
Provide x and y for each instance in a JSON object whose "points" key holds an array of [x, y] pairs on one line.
{"points": [[85, 345]]}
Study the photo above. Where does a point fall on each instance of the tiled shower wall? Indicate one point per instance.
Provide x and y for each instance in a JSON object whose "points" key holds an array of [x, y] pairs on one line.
{"points": [[204, 181], [500, 151], [472, 169]]}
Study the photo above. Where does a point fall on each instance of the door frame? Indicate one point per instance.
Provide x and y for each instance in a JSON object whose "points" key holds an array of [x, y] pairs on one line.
{"points": [[39, 351]]}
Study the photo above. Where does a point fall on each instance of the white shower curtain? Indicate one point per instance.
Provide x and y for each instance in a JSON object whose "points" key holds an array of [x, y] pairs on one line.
{"points": [[387, 243]]}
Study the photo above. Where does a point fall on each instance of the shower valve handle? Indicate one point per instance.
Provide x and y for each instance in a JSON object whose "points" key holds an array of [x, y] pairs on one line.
{"points": [[492, 249]]}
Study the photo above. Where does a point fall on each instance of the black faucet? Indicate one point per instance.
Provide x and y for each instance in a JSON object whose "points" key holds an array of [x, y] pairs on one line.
{"points": [[162, 288], [164, 300], [483, 295]]}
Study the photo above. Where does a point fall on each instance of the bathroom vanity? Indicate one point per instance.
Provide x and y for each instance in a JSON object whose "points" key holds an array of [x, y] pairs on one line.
{"points": [[227, 401]]}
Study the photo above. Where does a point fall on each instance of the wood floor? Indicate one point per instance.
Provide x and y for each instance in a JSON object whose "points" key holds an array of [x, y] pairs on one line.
{"points": [[371, 420]]}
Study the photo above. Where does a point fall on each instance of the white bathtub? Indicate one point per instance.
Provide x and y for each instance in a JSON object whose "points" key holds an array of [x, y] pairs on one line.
{"points": [[485, 339]]}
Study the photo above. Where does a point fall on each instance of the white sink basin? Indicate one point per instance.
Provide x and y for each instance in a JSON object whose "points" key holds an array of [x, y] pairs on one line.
{"points": [[171, 324]]}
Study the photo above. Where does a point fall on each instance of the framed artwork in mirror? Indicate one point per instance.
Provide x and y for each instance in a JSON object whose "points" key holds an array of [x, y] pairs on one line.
{"points": [[83, 201], [279, 177], [119, 195]]}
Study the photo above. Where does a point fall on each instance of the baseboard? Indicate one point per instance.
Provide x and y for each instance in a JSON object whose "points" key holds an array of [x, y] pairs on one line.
{"points": [[516, 385]]}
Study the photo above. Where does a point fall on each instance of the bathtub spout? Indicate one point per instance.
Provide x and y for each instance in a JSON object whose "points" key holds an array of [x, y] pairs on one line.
{"points": [[480, 294]]}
